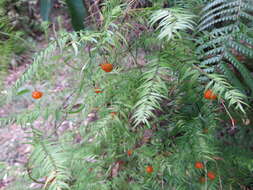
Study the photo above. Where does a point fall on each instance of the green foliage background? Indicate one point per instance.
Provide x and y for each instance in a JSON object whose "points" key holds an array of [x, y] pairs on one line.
{"points": [[11, 41], [161, 113]]}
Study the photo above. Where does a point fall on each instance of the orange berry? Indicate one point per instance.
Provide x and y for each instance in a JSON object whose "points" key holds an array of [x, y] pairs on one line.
{"points": [[113, 114], [98, 90], [202, 180], [37, 94], [107, 67], [149, 169], [129, 152], [211, 175], [209, 95], [199, 165]]}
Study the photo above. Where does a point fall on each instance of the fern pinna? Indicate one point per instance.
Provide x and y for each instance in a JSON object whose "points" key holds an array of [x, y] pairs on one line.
{"points": [[226, 40]]}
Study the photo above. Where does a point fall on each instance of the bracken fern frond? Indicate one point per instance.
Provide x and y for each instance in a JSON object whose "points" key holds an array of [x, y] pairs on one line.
{"points": [[151, 92], [171, 21], [227, 22]]}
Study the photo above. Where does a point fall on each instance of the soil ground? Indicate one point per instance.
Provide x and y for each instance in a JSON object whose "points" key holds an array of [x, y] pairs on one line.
{"points": [[14, 151]]}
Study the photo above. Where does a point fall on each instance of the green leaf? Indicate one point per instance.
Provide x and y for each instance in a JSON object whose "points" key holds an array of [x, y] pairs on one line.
{"points": [[78, 12], [23, 92], [76, 108], [45, 9]]}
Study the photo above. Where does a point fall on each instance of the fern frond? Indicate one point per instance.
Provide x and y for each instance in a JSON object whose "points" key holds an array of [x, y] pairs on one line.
{"points": [[246, 15], [52, 160], [227, 23], [42, 57], [214, 51], [223, 88], [224, 30], [211, 60], [20, 118], [231, 76], [212, 43], [241, 48], [247, 76], [171, 21], [222, 11], [207, 24], [215, 15], [217, 9], [213, 4], [245, 38], [152, 91], [37, 63]]}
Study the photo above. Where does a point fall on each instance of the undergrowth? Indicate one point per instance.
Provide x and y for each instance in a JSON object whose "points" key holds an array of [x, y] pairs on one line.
{"points": [[11, 42], [150, 109]]}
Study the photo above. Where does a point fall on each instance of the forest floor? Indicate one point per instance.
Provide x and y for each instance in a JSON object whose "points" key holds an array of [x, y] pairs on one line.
{"points": [[14, 150]]}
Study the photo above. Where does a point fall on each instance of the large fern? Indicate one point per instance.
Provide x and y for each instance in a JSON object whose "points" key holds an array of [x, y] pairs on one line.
{"points": [[171, 22], [227, 39]]}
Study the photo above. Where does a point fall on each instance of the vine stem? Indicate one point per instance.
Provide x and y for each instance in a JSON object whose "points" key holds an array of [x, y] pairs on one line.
{"points": [[205, 168], [30, 176], [29, 172], [231, 118]]}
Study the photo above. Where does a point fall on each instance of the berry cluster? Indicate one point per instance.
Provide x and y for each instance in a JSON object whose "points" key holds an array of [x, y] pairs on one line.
{"points": [[107, 67], [210, 175]]}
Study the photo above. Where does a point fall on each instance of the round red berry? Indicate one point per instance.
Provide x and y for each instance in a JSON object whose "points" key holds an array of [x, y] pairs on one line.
{"points": [[211, 175], [107, 67], [113, 114], [199, 165], [98, 90], [37, 94], [129, 152], [149, 169], [209, 95]]}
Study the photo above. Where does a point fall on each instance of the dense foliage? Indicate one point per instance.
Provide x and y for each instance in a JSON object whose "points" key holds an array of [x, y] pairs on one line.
{"points": [[145, 123], [9, 38]]}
